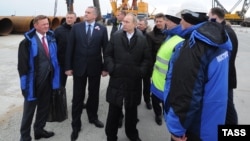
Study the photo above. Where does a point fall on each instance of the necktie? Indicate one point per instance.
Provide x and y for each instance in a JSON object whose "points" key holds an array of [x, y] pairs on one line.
{"points": [[120, 26], [45, 47], [89, 33]]}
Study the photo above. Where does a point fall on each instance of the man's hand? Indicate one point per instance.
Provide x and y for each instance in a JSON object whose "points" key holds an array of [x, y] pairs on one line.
{"points": [[24, 93], [104, 73], [69, 72], [183, 138]]}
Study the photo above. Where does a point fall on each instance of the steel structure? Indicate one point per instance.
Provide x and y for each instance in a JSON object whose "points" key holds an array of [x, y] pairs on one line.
{"points": [[138, 8]]}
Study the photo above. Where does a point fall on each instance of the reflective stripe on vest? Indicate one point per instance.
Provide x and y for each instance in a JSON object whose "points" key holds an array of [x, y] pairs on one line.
{"points": [[162, 60]]}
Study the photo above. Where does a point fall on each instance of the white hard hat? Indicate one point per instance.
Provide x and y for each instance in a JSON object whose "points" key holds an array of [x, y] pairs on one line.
{"points": [[193, 12], [171, 14], [195, 6]]}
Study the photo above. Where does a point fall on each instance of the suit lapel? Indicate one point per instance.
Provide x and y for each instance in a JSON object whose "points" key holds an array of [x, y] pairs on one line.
{"points": [[83, 32]]}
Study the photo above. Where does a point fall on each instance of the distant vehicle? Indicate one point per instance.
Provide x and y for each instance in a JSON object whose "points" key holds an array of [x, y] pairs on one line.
{"points": [[246, 22], [107, 19]]}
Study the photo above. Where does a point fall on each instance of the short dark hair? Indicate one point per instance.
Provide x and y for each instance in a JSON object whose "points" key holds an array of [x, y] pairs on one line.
{"points": [[71, 12], [123, 12], [160, 15], [218, 11], [38, 18]]}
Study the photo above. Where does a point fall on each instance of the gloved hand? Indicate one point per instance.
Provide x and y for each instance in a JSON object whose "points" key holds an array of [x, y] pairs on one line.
{"points": [[24, 93]]}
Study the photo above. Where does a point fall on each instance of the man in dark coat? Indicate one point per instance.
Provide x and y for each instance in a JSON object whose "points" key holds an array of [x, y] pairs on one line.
{"points": [[127, 59], [62, 36], [146, 81], [117, 22], [117, 25], [84, 61], [217, 14]]}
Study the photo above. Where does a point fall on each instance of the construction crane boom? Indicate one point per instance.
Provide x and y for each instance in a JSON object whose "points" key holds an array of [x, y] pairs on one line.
{"points": [[137, 8], [232, 9], [245, 7], [216, 3]]}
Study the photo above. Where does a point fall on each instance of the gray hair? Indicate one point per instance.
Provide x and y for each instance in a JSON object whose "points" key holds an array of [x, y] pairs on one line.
{"points": [[144, 20], [96, 11], [134, 20]]}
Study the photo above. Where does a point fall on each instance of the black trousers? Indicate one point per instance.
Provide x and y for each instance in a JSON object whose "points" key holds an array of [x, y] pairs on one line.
{"points": [[231, 116], [41, 105], [92, 104], [146, 88], [63, 76], [114, 113], [157, 105]]}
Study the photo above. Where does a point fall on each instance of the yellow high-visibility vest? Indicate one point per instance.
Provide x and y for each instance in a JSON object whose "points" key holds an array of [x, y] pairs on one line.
{"points": [[162, 60]]}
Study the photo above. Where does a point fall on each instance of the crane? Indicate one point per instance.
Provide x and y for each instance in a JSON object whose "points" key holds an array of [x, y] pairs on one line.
{"points": [[151, 15], [245, 7], [236, 4], [216, 3], [137, 8]]}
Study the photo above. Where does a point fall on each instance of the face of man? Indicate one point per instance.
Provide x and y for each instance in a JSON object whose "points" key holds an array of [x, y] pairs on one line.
{"points": [[213, 17], [141, 25], [129, 24], [120, 17], [160, 23], [170, 24], [70, 19], [42, 26], [90, 15], [184, 24]]}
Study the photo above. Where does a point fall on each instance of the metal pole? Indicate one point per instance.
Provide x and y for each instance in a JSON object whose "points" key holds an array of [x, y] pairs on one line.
{"points": [[97, 5]]}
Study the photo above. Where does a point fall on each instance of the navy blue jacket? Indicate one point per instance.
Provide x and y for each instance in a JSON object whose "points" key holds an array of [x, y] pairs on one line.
{"points": [[83, 57]]}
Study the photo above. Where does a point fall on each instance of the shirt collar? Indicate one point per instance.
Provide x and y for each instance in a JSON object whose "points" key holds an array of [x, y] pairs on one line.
{"points": [[40, 35], [92, 24], [129, 35]]}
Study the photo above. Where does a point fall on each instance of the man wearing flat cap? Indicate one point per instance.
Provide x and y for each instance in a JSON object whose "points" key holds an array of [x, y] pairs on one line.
{"points": [[195, 92]]}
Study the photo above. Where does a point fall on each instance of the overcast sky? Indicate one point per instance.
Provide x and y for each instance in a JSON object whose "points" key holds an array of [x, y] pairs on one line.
{"points": [[46, 7]]}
